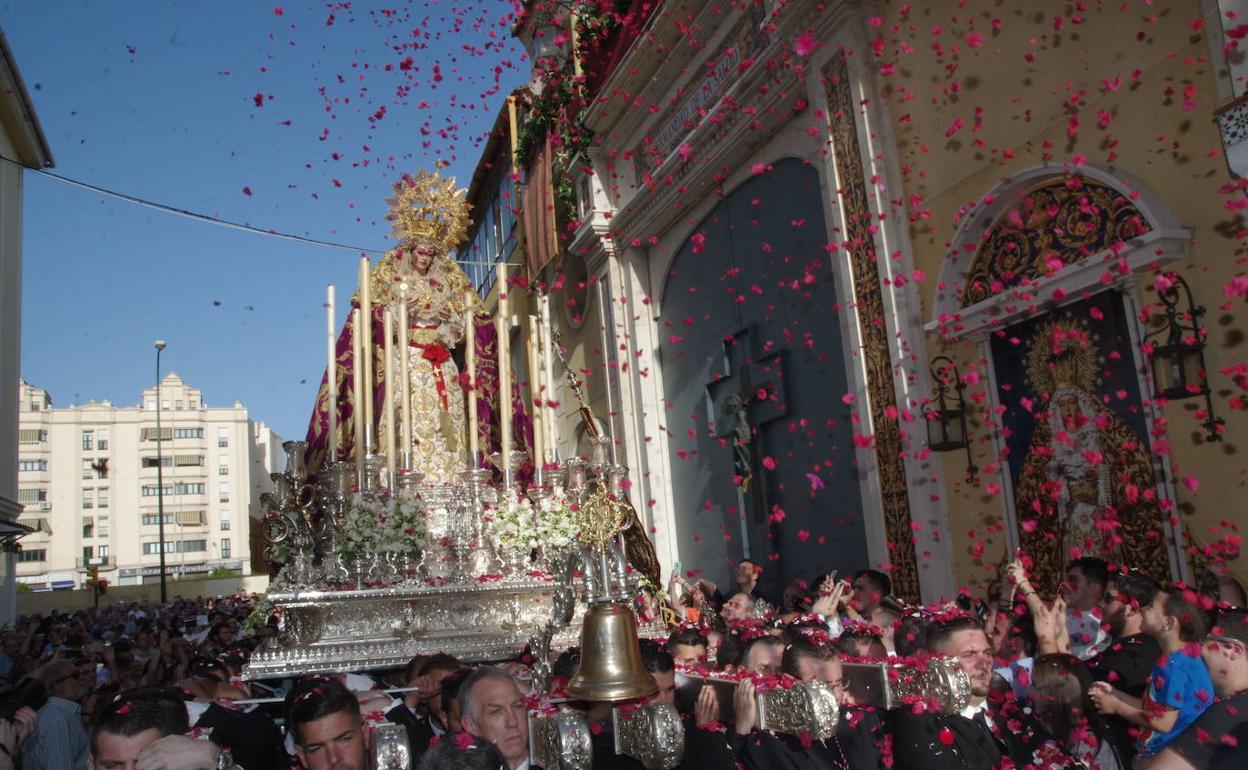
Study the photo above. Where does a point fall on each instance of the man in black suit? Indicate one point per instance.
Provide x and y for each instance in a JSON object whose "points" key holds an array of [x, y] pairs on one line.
{"points": [[146, 725], [1128, 661], [421, 709], [706, 748], [979, 737], [856, 744], [252, 738]]}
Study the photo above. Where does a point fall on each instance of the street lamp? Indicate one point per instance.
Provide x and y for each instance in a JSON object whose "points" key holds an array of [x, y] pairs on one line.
{"points": [[1179, 369], [946, 420], [160, 479]]}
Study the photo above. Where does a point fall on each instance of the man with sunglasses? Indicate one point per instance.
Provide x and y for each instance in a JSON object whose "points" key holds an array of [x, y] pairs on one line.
{"points": [[59, 741], [1218, 739], [1128, 661]]}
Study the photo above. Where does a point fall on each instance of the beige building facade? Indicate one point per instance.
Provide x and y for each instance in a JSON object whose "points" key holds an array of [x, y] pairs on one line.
{"points": [[821, 216], [21, 139], [87, 481]]}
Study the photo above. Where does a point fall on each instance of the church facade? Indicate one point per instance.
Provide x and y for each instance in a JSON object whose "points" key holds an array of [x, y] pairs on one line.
{"points": [[812, 221]]}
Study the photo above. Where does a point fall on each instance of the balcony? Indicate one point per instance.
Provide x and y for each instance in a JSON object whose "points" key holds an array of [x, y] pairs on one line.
{"points": [[39, 526], [101, 562], [604, 53]]}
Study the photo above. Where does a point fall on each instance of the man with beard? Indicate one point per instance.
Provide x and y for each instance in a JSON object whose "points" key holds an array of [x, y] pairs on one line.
{"points": [[984, 733], [1128, 661], [871, 587]]}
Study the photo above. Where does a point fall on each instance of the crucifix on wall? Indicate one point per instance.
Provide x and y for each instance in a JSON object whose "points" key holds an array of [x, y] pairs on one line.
{"points": [[745, 393]]}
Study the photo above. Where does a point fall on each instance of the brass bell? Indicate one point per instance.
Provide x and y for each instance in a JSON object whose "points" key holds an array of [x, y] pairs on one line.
{"points": [[611, 667]]}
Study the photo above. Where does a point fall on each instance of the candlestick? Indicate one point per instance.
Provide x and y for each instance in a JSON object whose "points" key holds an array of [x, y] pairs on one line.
{"points": [[548, 380], [331, 377], [366, 311], [388, 325], [405, 389], [470, 362], [504, 369], [357, 393], [606, 367], [535, 397]]}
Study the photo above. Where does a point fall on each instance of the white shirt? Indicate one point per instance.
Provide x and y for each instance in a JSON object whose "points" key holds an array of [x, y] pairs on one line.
{"points": [[970, 711], [1018, 674]]}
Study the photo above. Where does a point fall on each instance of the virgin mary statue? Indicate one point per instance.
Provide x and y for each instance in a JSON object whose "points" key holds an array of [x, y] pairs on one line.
{"points": [[1086, 485], [429, 220]]}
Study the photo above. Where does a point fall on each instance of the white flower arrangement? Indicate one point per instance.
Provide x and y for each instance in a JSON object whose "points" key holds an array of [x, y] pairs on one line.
{"points": [[513, 523], [393, 524], [557, 525], [404, 530]]}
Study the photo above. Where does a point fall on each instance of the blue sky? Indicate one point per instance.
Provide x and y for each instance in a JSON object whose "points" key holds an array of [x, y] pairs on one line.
{"points": [[188, 103]]}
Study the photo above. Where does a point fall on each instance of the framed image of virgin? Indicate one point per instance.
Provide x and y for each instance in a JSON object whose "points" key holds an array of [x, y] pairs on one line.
{"points": [[1077, 442]]}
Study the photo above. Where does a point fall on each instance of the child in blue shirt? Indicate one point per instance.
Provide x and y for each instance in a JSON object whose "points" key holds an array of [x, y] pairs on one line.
{"points": [[1179, 688]]}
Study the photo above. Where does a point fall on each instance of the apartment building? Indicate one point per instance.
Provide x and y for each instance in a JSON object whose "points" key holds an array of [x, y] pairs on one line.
{"points": [[87, 480]]}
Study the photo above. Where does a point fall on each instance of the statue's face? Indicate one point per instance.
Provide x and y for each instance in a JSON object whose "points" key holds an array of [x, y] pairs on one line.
{"points": [[422, 256], [1068, 408]]}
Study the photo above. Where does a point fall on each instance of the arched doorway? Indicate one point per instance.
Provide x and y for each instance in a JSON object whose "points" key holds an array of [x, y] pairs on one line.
{"points": [[762, 451], [1042, 281]]}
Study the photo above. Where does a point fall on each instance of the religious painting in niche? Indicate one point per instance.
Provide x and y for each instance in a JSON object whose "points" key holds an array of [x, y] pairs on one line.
{"points": [[1077, 440]]}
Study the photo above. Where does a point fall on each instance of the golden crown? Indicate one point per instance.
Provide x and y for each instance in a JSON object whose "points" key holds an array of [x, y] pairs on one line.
{"points": [[1062, 354], [427, 207]]}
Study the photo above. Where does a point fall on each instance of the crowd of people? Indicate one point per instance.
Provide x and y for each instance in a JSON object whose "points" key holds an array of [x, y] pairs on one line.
{"points": [[1116, 671]]}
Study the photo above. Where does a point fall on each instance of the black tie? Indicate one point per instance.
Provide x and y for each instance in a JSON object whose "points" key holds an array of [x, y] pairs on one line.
{"points": [[981, 719]]}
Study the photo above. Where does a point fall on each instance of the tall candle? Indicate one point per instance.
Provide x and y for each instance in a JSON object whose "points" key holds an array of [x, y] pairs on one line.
{"points": [[357, 392], [389, 393], [504, 368], [470, 363], [366, 310], [405, 388], [606, 366], [548, 380], [331, 378], [535, 396]]}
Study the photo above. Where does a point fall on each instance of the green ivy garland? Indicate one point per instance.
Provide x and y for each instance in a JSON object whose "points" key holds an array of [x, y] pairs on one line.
{"points": [[561, 104]]}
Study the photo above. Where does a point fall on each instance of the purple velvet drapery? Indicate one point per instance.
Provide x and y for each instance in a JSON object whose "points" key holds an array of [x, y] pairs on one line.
{"points": [[486, 394]]}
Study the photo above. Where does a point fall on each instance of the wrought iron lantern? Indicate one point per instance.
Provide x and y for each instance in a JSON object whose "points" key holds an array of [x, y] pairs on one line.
{"points": [[1178, 363], [946, 415]]}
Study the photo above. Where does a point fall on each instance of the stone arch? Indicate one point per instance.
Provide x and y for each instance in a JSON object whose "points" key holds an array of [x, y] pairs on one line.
{"points": [[1044, 233], [1054, 246]]}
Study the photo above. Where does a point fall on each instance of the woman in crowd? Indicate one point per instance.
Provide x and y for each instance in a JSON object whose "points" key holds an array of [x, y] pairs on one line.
{"points": [[1059, 695]]}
